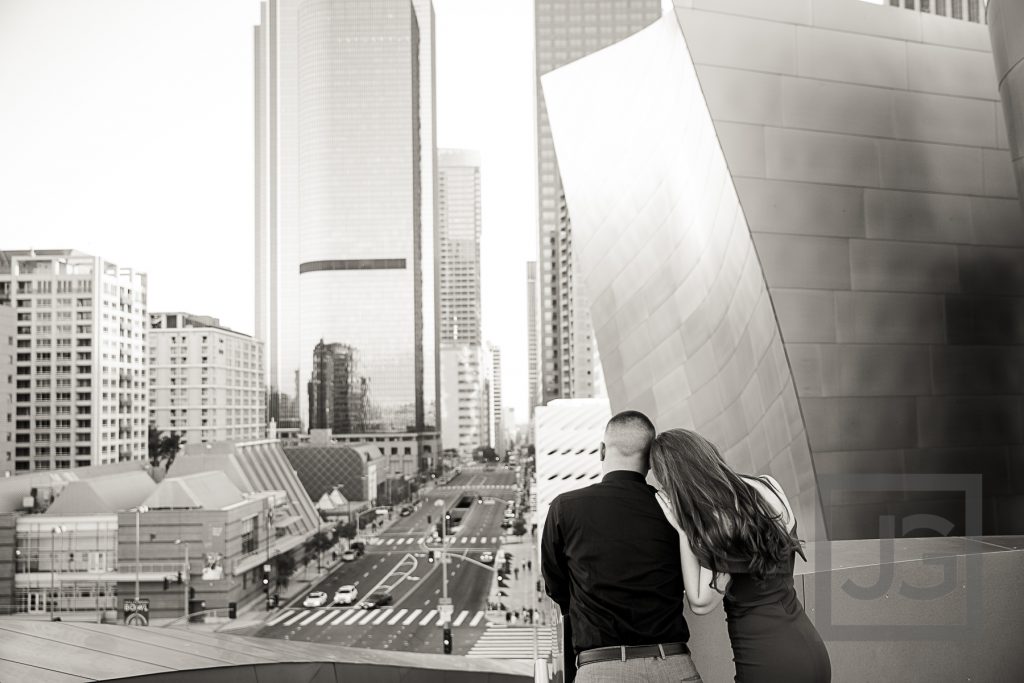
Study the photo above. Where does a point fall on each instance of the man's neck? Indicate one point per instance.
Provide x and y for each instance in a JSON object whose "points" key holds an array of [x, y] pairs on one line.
{"points": [[609, 467]]}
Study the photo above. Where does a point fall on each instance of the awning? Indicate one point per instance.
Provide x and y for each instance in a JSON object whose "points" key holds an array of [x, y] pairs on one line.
{"points": [[286, 521]]}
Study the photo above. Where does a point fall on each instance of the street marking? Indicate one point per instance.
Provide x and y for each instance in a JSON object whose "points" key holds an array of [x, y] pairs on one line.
{"points": [[412, 617], [345, 614], [383, 615], [330, 615], [370, 614], [476, 619], [295, 618], [389, 541], [462, 617], [398, 615], [464, 539], [353, 617], [278, 619], [440, 619], [312, 617], [473, 540], [427, 619]]}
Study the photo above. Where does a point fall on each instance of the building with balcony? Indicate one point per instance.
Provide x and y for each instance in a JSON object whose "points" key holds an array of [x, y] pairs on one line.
{"points": [[205, 380], [811, 254], [81, 363], [464, 397]]}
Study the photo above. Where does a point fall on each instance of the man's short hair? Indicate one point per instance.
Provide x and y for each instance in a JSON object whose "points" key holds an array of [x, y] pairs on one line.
{"points": [[632, 432]]}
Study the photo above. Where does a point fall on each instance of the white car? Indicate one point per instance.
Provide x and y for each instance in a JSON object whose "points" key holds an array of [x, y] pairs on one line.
{"points": [[315, 599], [348, 556], [346, 595], [487, 557]]}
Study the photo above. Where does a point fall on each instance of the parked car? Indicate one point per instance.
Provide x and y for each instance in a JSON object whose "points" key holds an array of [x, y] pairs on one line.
{"points": [[487, 557], [315, 599], [506, 523], [375, 600], [406, 511], [348, 556], [346, 595], [359, 547]]}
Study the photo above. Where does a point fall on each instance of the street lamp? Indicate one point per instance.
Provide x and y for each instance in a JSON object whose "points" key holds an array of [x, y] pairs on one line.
{"points": [[53, 539], [444, 562], [185, 577], [138, 513]]}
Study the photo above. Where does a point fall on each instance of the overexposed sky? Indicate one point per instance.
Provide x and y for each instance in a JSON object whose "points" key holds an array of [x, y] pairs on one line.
{"points": [[126, 131]]}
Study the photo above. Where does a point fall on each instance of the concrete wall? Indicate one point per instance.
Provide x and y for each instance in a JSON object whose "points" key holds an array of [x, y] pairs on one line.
{"points": [[861, 151]]}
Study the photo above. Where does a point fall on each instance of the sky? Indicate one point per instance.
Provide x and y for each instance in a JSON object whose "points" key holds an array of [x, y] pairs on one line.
{"points": [[126, 131]]}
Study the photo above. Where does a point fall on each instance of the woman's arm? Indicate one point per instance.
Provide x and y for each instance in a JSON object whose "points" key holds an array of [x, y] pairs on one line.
{"points": [[696, 579]]}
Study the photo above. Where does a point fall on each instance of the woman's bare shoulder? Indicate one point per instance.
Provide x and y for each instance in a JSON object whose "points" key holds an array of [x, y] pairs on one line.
{"points": [[772, 494]]}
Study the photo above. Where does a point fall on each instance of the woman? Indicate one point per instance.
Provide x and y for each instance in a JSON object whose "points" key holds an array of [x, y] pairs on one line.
{"points": [[737, 540]]}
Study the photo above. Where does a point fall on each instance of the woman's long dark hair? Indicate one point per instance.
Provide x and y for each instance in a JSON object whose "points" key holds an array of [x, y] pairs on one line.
{"points": [[724, 517]]}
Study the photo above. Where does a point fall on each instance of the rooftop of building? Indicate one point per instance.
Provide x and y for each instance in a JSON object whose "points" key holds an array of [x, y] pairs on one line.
{"points": [[161, 321], [50, 484], [210, 490]]}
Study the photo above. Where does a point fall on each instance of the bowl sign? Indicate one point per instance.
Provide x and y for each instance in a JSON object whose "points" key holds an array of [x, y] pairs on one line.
{"points": [[136, 612]]}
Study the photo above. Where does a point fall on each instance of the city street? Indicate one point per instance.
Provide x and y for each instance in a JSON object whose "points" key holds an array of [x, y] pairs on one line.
{"points": [[396, 561]]}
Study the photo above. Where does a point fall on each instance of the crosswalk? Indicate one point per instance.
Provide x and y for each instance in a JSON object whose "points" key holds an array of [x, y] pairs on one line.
{"points": [[474, 487], [410, 540], [357, 617], [514, 642]]}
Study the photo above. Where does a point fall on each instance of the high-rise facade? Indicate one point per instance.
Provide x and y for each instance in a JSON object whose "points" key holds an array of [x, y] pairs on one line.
{"points": [[462, 376], [205, 381], [566, 30], [496, 409], [532, 371], [81, 359], [345, 208], [459, 225], [7, 328]]}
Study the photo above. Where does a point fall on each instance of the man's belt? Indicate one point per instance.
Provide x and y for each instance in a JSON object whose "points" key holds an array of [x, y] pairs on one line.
{"points": [[624, 652]]}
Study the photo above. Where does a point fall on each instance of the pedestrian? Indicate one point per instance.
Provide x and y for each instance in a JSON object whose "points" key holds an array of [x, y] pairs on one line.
{"points": [[529, 565], [621, 606], [508, 618], [516, 573], [515, 618]]}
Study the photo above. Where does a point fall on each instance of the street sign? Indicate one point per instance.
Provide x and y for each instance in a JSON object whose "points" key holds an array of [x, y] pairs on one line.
{"points": [[136, 612], [445, 608]]}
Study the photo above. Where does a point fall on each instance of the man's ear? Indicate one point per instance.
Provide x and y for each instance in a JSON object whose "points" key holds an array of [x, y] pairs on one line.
{"points": [[602, 451]]}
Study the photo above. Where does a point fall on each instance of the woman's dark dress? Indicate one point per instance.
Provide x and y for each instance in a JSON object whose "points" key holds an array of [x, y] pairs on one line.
{"points": [[772, 639]]}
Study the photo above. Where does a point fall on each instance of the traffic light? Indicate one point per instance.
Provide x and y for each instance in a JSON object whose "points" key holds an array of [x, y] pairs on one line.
{"points": [[232, 610], [429, 520], [191, 593], [447, 640], [266, 578], [179, 578], [430, 556]]}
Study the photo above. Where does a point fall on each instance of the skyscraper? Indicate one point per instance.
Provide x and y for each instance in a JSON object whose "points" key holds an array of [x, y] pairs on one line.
{"points": [[567, 30], [459, 223], [462, 376], [532, 371], [81, 359], [345, 209], [497, 411], [7, 327]]}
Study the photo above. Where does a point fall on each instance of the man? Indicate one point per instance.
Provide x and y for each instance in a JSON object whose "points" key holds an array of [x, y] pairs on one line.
{"points": [[610, 560]]}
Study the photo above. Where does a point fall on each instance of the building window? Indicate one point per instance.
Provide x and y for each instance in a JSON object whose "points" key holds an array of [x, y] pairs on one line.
{"points": [[250, 540]]}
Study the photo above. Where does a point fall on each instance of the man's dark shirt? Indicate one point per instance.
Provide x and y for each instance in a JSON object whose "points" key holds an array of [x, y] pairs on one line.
{"points": [[610, 560]]}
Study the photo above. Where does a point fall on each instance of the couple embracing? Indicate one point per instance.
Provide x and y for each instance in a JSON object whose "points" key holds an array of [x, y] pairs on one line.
{"points": [[619, 556]]}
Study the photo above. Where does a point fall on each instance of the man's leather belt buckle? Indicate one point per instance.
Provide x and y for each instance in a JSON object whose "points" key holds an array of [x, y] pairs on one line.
{"points": [[624, 652]]}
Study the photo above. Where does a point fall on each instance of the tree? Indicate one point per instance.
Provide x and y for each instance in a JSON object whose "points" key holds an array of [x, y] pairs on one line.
{"points": [[284, 566], [163, 447], [346, 530]]}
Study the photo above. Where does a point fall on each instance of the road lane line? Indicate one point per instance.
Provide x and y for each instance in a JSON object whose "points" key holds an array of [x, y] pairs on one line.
{"points": [[330, 615], [462, 617], [398, 615], [382, 616], [370, 614], [476, 619], [427, 619], [354, 616], [473, 540], [342, 615], [312, 617], [412, 617], [389, 541], [440, 620], [278, 619], [296, 618]]}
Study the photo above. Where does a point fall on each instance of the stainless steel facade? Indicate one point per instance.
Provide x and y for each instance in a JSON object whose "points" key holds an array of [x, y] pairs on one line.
{"points": [[566, 30], [346, 204], [458, 232], [813, 255]]}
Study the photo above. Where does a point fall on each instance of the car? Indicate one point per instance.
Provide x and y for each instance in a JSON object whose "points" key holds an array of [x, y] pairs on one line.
{"points": [[348, 556], [315, 599], [406, 511], [346, 595], [487, 557], [375, 600], [510, 514], [359, 547], [506, 523]]}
